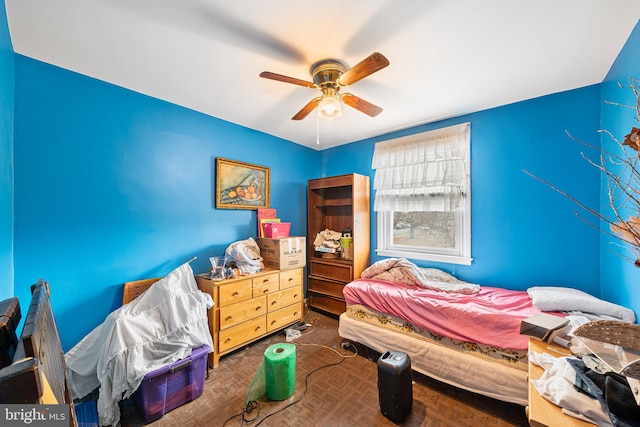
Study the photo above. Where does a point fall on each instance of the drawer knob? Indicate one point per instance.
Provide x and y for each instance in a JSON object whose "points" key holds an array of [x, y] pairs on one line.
{"points": [[229, 318], [258, 328], [258, 308], [295, 295], [266, 291], [227, 340], [235, 294], [291, 279], [274, 302], [265, 281]]}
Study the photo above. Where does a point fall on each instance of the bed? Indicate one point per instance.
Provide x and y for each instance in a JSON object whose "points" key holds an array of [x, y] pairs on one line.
{"points": [[37, 374], [456, 332]]}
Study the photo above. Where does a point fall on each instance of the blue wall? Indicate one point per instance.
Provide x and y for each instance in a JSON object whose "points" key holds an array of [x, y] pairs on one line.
{"points": [[523, 232], [6, 157], [620, 278], [112, 186]]}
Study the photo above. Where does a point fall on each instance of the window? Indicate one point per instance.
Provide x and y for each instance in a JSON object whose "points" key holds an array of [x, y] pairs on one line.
{"points": [[422, 199]]}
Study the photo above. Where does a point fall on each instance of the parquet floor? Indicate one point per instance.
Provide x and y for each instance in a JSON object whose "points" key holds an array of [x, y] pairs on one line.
{"points": [[345, 394]]}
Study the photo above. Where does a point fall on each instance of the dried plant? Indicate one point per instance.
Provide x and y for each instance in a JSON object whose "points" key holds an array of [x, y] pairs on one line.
{"points": [[622, 170]]}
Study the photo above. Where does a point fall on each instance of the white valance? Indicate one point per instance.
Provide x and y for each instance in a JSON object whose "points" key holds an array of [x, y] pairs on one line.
{"points": [[424, 172]]}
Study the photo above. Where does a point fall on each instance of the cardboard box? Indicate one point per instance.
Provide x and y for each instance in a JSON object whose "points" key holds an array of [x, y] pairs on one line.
{"points": [[542, 326], [283, 253]]}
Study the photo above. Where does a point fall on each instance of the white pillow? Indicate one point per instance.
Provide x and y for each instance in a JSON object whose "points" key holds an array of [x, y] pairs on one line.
{"points": [[550, 298]]}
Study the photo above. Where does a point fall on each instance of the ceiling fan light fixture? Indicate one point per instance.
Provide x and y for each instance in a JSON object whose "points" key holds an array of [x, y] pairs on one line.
{"points": [[329, 108], [329, 75]]}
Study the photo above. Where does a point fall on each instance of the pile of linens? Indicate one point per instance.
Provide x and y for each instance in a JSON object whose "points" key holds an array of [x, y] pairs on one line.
{"points": [[159, 327]]}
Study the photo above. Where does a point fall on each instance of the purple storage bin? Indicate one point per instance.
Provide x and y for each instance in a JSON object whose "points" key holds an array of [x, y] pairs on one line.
{"points": [[172, 385]]}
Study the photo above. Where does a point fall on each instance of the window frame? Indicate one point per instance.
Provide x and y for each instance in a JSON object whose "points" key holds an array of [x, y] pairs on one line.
{"points": [[460, 255]]}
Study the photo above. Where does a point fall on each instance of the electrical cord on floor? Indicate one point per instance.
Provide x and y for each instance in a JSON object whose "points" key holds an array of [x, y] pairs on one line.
{"points": [[308, 330], [344, 356], [251, 405]]}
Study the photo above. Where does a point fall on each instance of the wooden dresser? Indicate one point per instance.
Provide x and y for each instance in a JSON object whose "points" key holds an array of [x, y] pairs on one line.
{"points": [[540, 411], [250, 307]]}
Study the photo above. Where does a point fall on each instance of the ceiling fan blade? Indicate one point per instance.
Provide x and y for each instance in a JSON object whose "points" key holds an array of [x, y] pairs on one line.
{"points": [[361, 105], [286, 79], [307, 109], [374, 62]]}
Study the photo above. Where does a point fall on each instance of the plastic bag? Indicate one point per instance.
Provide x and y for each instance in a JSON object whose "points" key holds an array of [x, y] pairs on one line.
{"points": [[246, 254]]}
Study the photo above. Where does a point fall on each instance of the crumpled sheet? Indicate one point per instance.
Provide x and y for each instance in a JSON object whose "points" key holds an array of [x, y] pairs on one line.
{"points": [[159, 327], [401, 270]]}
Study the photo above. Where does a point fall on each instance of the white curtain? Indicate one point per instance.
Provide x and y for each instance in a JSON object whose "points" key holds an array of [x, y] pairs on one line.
{"points": [[425, 172]]}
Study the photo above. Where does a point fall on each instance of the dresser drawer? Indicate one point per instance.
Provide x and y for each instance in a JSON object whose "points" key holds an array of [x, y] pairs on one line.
{"points": [[267, 279], [335, 271], [326, 303], [259, 291], [284, 298], [236, 313], [290, 278], [242, 333], [326, 287], [283, 317], [235, 292]]}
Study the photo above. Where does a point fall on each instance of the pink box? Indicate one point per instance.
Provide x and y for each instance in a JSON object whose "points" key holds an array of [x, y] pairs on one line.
{"points": [[276, 230], [172, 385]]}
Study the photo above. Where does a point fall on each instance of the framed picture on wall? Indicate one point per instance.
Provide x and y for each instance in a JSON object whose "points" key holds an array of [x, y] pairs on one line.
{"points": [[241, 185]]}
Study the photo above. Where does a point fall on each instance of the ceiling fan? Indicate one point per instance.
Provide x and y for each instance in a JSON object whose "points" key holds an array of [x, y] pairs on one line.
{"points": [[330, 75]]}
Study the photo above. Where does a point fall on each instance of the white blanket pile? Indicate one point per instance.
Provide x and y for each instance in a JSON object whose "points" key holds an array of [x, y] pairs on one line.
{"points": [[159, 327]]}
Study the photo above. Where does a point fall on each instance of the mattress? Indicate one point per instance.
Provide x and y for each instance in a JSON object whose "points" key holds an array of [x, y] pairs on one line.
{"points": [[510, 357], [491, 317], [460, 364]]}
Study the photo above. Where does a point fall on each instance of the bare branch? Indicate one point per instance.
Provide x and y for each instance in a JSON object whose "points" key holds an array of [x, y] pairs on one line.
{"points": [[622, 172], [568, 196]]}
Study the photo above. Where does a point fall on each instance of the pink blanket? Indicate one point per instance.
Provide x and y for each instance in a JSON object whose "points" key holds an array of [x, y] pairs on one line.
{"points": [[492, 316]]}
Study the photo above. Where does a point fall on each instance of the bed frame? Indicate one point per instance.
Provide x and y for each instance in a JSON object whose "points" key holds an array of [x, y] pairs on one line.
{"points": [[9, 318], [454, 367], [38, 374]]}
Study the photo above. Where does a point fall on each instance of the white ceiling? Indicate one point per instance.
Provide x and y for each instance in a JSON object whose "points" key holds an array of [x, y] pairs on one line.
{"points": [[447, 57]]}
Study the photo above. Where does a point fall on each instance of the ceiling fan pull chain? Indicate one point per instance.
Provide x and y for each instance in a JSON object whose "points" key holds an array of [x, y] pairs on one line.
{"points": [[317, 130]]}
